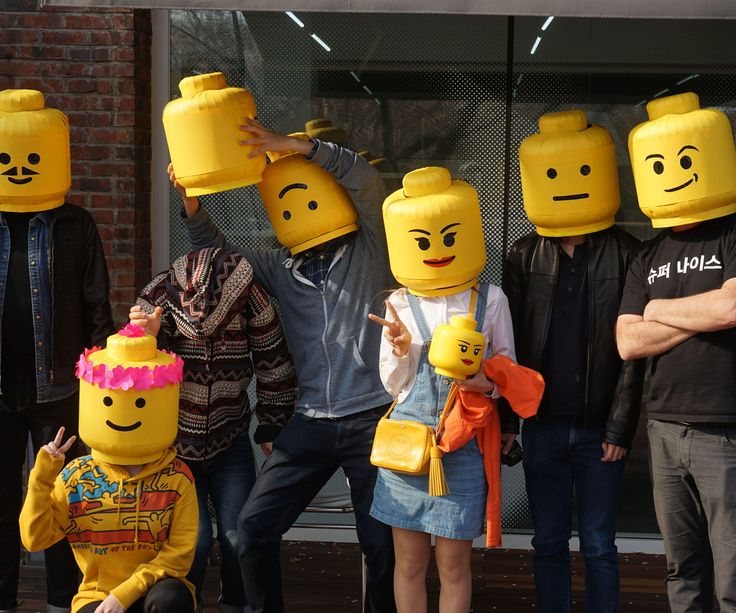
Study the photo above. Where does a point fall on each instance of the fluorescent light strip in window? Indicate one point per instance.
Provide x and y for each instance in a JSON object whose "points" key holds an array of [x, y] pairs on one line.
{"points": [[546, 23], [324, 45], [295, 19], [664, 91], [535, 45], [692, 76], [355, 76], [367, 89]]}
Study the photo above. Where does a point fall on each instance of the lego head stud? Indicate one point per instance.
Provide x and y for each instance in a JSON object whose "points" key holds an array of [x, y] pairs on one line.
{"points": [[457, 349], [323, 129], [684, 162], [569, 176], [203, 133], [128, 398], [434, 233], [35, 167], [305, 203]]}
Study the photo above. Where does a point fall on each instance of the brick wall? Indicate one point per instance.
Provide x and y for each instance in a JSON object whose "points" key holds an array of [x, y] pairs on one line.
{"points": [[95, 66]]}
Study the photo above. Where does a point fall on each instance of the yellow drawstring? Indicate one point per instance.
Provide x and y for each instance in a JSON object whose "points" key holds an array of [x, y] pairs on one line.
{"points": [[137, 511], [120, 501]]}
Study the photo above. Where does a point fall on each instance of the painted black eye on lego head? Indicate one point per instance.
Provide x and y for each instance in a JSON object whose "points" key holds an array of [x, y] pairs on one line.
{"points": [[107, 401], [287, 215], [423, 243], [4, 158], [658, 167], [585, 170], [34, 158], [551, 173], [449, 239], [686, 161], [140, 402], [312, 205]]}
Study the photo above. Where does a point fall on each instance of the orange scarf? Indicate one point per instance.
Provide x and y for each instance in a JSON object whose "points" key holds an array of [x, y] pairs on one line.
{"points": [[474, 414]]}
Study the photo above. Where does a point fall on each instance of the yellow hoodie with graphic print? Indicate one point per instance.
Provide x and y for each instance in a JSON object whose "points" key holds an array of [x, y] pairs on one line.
{"points": [[127, 532]]}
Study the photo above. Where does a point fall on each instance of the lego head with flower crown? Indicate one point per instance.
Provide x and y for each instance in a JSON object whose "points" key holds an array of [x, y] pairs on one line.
{"points": [[35, 166], [434, 233], [128, 398], [684, 162]]}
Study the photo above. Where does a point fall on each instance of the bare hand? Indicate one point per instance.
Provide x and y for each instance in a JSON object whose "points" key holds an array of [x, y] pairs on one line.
{"points": [[262, 140], [266, 448], [396, 333], [55, 449], [613, 453], [110, 605], [191, 204], [477, 383], [150, 322], [507, 440]]}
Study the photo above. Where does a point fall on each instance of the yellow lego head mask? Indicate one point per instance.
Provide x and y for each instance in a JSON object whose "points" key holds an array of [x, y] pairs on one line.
{"points": [[35, 166], [203, 133], [434, 233], [305, 203], [684, 162], [569, 176], [128, 398], [323, 129], [457, 348]]}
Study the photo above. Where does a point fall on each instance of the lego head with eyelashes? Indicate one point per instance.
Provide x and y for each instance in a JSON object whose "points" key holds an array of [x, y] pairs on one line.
{"points": [[457, 349], [129, 398], [304, 203], [684, 162], [35, 167], [569, 176], [435, 233]]}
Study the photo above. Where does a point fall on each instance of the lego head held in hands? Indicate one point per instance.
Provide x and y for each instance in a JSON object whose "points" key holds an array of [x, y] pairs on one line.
{"points": [[684, 162], [35, 167], [569, 176], [435, 233], [305, 203], [128, 398]]}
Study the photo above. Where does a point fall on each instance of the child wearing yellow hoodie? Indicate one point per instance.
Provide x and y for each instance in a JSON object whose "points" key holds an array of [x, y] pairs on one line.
{"points": [[129, 509]]}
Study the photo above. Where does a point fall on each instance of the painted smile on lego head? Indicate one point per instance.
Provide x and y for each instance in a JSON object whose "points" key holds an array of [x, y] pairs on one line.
{"points": [[311, 205], [584, 170], [12, 173], [448, 240], [686, 163]]}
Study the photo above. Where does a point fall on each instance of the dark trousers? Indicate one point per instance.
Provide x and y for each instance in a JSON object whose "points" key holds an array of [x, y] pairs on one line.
{"points": [[41, 421], [562, 462], [305, 455], [166, 596]]}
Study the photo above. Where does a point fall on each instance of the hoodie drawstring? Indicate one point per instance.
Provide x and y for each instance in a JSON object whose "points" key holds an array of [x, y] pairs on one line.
{"points": [[137, 510], [120, 502]]}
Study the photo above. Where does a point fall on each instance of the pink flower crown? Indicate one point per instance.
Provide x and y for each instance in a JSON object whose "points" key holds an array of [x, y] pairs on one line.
{"points": [[130, 377]]}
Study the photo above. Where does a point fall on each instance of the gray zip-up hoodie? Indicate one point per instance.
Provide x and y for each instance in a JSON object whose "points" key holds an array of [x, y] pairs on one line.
{"points": [[334, 345]]}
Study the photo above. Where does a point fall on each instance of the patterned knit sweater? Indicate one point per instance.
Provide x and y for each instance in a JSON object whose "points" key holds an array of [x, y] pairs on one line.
{"points": [[224, 326]]}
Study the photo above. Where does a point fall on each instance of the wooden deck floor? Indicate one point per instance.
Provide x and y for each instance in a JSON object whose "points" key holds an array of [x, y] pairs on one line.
{"points": [[322, 577]]}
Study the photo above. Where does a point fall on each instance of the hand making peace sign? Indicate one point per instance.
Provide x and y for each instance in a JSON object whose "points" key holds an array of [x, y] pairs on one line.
{"points": [[395, 332]]}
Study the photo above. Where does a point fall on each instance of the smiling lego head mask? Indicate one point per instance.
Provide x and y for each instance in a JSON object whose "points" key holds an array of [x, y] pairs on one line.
{"points": [[128, 398], [684, 162], [35, 167], [569, 176]]}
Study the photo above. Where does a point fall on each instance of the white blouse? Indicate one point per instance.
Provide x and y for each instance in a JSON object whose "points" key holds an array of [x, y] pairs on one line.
{"points": [[398, 374]]}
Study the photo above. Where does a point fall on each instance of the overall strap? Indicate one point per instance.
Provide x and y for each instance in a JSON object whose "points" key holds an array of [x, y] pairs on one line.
{"points": [[416, 310], [480, 307]]}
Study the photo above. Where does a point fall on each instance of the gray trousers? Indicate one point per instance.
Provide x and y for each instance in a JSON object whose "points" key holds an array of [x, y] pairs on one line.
{"points": [[694, 477]]}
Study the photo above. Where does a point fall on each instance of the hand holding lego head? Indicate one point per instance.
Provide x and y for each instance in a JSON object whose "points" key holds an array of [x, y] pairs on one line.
{"points": [[457, 348], [35, 166], [203, 133], [435, 233], [305, 203], [569, 176], [129, 398], [684, 162]]}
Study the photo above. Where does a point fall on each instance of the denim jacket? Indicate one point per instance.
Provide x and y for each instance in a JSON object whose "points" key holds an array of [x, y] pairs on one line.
{"points": [[69, 294]]}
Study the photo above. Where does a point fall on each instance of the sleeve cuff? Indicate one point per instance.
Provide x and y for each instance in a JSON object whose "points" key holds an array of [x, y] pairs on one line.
{"points": [[266, 433]]}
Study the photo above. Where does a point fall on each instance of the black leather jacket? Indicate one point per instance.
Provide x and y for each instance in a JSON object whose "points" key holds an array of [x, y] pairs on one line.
{"points": [[613, 388]]}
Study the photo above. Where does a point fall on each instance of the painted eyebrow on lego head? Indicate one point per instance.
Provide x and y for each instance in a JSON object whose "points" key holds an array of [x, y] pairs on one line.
{"points": [[290, 187], [420, 230], [653, 155], [687, 147], [443, 230]]}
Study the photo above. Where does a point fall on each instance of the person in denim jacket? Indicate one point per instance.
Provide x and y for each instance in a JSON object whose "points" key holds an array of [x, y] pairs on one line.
{"points": [[54, 301]]}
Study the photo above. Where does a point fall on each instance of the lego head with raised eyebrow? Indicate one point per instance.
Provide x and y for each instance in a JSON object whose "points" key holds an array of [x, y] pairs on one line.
{"points": [[684, 162], [569, 176], [35, 166], [304, 203], [434, 233]]}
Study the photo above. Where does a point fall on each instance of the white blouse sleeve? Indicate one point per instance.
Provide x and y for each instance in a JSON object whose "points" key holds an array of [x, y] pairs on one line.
{"points": [[397, 373], [497, 324]]}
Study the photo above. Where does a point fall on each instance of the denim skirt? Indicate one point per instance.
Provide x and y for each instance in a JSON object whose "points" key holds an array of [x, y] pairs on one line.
{"points": [[403, 500]]}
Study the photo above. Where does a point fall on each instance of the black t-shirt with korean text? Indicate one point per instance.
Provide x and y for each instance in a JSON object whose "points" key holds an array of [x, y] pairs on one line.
{"points": [[694, 381]]}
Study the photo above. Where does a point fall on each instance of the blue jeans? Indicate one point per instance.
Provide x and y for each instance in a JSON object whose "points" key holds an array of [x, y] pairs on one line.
{"points": [[226, 480], [694, 478], [562, 458], [305, 455]]}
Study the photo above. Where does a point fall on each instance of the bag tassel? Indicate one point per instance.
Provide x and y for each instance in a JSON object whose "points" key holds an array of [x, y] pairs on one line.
{"points": [[437, 481]]}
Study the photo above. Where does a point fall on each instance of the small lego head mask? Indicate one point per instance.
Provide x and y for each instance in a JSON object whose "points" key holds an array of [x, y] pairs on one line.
{"points": [[684, 162], [434, 233], [457, 348], [128, 398], [35, 166], [569, 176], [305, 203]]}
